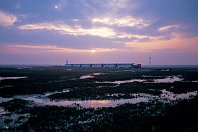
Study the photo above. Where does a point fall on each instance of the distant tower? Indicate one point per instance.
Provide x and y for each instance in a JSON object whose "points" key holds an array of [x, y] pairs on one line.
{"points": [[149, 60], [66, 61]]}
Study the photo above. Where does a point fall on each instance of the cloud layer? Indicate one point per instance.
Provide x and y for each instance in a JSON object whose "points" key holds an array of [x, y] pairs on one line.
{"points": [[78, 30], [177, 43], [35, 49]]}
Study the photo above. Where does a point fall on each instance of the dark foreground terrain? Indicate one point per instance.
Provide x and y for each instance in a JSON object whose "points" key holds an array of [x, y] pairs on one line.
{"points": [[98, 99]]}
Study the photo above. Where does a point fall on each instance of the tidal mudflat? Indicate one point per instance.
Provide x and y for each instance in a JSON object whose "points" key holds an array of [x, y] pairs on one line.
{"points": [[99, 99]]}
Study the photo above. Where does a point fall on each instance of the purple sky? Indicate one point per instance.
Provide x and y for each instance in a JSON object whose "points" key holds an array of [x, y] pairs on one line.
{"points": [[99, 31]]}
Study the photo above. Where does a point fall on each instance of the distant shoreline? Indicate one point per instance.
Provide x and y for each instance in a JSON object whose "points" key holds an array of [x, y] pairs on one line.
{"points": [[143, 66]]}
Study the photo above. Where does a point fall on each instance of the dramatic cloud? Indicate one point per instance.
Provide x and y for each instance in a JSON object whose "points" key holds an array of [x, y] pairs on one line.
{"points": [[66, 29], [7, 19], [122, 22], [78, 30]]}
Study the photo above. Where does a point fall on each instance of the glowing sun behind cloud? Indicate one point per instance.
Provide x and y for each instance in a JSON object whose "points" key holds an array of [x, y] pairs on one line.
{"points": [[93, 51]]}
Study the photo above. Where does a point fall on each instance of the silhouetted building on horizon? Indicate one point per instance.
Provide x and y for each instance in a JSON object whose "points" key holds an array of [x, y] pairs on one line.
{"points": [[105, 65]]}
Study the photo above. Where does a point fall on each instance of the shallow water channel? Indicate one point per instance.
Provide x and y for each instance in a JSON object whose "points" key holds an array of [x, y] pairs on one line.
{"points": [[168, 79], [165, 97], [11, 78]]}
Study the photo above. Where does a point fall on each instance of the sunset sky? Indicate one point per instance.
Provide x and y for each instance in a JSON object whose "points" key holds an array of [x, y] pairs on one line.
{"points": [[99, 31]]}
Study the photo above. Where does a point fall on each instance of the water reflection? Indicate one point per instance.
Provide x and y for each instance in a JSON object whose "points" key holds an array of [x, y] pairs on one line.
{"points": [[50, 93], [5, 99], [166, 96], [90, 76], [2, 111], [86, 76], [13, 78], [87, 103], [124, 81], [168, 79]]}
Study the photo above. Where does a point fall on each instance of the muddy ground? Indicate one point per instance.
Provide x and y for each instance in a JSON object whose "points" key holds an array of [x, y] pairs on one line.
{"points": [[98, 99]]}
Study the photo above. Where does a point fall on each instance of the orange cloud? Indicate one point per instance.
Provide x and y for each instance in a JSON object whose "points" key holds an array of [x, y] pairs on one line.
{"points": [[34, 49], [178, 42]]}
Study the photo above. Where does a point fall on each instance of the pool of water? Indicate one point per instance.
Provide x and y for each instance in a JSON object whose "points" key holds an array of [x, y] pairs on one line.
{"points": [[86, 76], [11, 78], [5, 99], [166, 96], [168, 79], [50, 93], [2, 111], [123, 81], [91, 75], [87, 103]]}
